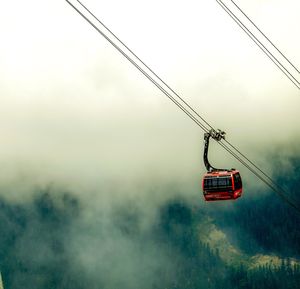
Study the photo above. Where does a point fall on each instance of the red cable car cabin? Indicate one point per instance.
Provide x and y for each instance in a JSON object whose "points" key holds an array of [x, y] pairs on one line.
{"points": [[222, 185], [219, 184]]}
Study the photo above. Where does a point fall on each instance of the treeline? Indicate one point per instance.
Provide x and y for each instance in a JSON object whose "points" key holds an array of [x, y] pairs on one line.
{"points": [[264, 225], [203, 268], [34, 250], [33, 247], [266, 277], [195, 264]]}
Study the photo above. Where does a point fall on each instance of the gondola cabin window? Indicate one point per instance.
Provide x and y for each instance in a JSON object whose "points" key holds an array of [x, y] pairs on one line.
{"points": [[215, 184]]}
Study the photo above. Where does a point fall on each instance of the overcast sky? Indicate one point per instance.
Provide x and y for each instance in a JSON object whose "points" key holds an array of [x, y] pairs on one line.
{"points": [[73, 111]]}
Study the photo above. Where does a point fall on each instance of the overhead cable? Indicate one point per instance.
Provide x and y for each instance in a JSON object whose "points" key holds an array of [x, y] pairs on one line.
{"points": [[239, 8], [143, 63], [259, 43], [140, 69]]}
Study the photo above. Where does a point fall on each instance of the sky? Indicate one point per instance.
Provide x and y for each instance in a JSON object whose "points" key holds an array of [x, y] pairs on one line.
{"points": [[77, 114]]}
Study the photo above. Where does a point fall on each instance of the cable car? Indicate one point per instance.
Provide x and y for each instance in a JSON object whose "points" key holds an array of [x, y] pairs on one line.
{"points": [[219, 184], [222, 185]]}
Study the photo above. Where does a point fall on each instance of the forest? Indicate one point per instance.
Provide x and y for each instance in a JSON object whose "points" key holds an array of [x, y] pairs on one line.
{"points": [[36, 237]]}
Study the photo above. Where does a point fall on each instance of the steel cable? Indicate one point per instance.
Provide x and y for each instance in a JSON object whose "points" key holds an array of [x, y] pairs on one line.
{"points": [[260, 44], [265, 36], [142, 62]]}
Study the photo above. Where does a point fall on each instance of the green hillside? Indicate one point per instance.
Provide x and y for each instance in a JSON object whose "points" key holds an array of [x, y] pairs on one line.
{"points": [[49, 243]]}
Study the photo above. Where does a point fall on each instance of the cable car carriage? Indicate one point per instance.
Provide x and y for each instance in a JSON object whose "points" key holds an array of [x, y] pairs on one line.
{"points": [[219, 184]]}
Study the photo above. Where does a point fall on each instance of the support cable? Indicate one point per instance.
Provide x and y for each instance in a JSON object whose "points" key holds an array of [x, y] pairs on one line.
{"points": [[141, 70], [158, 77], [260, 44], [265, 36]]}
